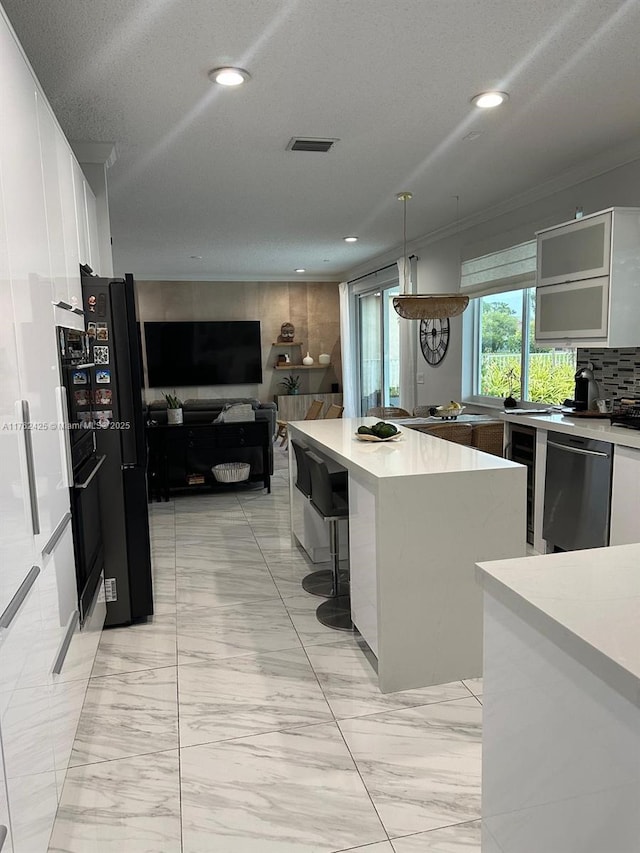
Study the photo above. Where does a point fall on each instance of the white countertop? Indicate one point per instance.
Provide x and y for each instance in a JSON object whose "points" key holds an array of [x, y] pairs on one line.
{"points": [[599, 428], [413, 454], [588, 602]]}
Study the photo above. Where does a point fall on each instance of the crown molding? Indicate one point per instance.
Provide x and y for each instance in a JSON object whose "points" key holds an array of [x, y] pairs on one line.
{"points": [[98, 153]]}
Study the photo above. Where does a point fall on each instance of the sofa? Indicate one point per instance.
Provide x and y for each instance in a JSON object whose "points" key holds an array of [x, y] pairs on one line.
{"points": [[206, 410]]}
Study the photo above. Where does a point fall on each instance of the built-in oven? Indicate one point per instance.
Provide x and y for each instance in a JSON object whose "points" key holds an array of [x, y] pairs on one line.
{"points": [[76, 400]]}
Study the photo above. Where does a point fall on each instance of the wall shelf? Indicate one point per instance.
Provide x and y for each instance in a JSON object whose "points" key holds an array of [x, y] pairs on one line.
{"points": [[289, 344], [291, 367]]}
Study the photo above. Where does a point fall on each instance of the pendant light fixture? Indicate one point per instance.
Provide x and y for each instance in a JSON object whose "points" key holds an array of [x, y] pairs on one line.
{"points": [[423, 306]]}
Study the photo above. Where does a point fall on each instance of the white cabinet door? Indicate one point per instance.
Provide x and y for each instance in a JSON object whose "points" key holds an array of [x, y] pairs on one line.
{"points": [[575, 251], [17, 544], [68, 201], [47, 131], [625, 496], [68, 206], [577, 311], [92, 225], [25, 720], [82, 225], [58, 597], [71, 677], [31, 286], [59, 600], [6, 845]]}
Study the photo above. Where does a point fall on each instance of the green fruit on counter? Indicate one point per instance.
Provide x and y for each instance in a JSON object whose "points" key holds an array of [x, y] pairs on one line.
{"points": [[383, 430], [365, 430]]}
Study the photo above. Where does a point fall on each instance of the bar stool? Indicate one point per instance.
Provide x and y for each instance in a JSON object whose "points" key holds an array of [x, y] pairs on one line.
{"points": [[333, 507], [319, 582]]}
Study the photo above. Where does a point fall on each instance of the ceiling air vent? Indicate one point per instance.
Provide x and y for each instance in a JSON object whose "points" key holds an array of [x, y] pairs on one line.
{"points": [[297, 143]]}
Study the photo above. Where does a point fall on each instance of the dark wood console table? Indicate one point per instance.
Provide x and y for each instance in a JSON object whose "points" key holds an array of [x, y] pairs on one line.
{"points": [[182, 456]]}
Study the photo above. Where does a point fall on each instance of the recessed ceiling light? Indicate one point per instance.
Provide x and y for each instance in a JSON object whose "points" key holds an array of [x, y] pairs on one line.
{"points": [[229, 76], [487, 100], [350, 239], [301, 269]]}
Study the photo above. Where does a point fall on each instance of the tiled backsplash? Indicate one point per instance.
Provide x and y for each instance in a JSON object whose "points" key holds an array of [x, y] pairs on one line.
{"points": [[617, 370]]}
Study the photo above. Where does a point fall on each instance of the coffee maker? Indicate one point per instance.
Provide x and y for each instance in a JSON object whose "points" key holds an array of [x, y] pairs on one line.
{"points": [[587, 389]]}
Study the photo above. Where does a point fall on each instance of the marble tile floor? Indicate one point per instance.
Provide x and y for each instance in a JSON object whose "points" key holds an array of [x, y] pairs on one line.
{"points": [[233, 722]]}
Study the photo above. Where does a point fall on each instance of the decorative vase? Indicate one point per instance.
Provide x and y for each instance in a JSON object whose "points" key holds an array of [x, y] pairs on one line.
{"points": [[174, 416], [324, 358], [307, 360], [510, 402]]}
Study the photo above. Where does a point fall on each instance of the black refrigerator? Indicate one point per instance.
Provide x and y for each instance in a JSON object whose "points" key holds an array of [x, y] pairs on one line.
{"points": [[112, 328]]}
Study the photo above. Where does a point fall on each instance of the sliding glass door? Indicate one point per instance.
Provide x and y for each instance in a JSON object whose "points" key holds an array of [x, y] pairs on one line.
{"points": [[379, 350]]}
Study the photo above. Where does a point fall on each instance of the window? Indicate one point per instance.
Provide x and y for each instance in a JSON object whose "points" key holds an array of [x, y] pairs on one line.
{"points": [[378, 350], [507, 359]]}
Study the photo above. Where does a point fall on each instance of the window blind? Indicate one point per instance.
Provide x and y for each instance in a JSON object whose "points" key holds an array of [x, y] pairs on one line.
{"points": [[509, 269]]}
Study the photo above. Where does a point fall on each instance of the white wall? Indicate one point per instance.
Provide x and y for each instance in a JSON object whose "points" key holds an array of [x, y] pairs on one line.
{"points": [[439, 261]]}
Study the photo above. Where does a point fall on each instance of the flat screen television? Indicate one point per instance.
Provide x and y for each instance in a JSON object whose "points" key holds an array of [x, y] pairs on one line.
{"points": [[203, 353]]}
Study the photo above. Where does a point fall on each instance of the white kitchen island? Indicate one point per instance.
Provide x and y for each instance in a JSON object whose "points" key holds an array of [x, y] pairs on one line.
{"points": [[561, 697], [422, 512]]}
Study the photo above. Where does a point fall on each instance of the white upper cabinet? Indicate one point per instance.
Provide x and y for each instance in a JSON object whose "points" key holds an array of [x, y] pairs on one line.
{"points": [[47, 131], [65, 160], [17, 544], [575, 251], [574, 310], [588, 277], [59, 191], [92, 228], [32, 292], [82, 223], [21, 173]]}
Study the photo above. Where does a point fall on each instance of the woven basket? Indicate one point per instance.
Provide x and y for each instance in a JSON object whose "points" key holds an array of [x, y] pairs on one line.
{"points": [[231, 472]]}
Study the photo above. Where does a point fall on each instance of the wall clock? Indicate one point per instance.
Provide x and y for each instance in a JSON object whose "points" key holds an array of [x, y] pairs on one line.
{"points": [[434, 340]]}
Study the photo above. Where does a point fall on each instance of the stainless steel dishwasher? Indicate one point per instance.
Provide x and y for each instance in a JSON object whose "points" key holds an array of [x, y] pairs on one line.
{"points": [[577, 492]]}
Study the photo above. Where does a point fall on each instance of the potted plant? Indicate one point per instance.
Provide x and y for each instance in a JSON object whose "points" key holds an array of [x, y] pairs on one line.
{"points": [[510, 402], [174, 408], [291, 384]]}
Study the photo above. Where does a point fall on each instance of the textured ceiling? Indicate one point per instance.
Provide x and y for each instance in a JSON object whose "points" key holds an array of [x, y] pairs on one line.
{"points": [[205, 171]]}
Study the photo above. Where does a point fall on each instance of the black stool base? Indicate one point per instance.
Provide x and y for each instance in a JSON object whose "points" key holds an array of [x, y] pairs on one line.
{"points": [[321, 582], [336, 613]]}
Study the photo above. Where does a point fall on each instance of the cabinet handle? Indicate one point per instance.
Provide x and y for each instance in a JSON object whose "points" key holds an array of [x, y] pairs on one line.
{"points": [[64, 648], [63, 420], [96, 468], [57, 533], [31, 470], [577, 450], [16, 602]]}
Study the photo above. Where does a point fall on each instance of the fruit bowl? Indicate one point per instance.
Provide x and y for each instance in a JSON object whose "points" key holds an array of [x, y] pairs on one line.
{"points": [[448, 413], [364, 437]]}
